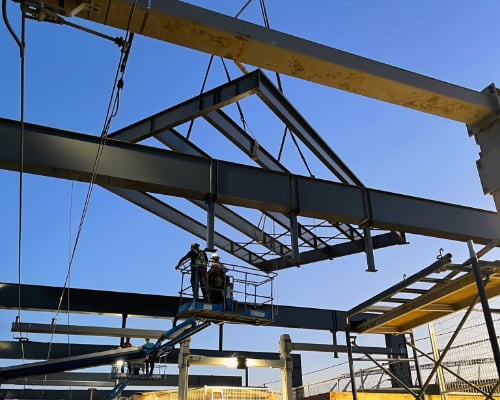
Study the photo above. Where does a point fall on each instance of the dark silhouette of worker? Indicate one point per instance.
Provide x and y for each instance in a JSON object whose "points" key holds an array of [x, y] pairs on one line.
{"points": [[150, 359], [199, 264], [216, 280], [129, 364]]}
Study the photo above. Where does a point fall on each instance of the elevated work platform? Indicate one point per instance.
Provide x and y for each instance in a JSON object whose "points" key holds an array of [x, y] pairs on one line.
{"points": [[440, 289], [219, 312]]}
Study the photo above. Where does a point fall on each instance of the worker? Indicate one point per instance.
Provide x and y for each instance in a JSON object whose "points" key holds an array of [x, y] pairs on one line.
{"points": [[199, 263], [129, 364], [150, 359], [216, 279]]}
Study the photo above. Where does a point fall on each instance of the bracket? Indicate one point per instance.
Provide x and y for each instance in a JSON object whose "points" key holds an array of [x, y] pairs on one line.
{"points": [[487, 135]]}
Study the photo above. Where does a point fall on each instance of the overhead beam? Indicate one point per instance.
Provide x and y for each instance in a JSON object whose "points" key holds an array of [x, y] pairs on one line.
{"points": [[68, 155], [99, 302], [200, 29], [100, 379]]}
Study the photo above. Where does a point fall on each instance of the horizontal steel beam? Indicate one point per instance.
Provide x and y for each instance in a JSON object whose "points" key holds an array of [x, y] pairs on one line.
{"points": [[15, 350], [61, 329], [99, 302], [102, 379], [337, 348], [67, 155], [332, 252], [200, 29]]}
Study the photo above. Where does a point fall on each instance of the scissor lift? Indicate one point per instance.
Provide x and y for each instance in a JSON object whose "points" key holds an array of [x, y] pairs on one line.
{"points": [[247, 297]]}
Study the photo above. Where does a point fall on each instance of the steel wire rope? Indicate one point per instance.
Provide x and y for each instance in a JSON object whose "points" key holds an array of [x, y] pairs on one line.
{"points": [[280, 87], [265, 18], [111, 112], [191, 123], [240, 110], [21, 43]]}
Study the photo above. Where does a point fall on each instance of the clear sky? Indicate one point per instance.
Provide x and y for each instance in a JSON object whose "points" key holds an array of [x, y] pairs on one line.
{"points": [[69, 77]]}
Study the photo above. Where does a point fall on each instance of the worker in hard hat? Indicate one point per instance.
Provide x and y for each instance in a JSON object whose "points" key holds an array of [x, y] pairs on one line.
{"points": [[199, 262], [150, 359], [216, 279]]}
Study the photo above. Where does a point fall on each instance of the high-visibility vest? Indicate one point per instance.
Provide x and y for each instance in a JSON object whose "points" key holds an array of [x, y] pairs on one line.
{"points": [[201, 259]]}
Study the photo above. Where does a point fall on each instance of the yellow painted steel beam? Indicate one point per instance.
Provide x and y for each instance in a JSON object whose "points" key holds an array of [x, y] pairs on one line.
{"points": [[200, 29]]}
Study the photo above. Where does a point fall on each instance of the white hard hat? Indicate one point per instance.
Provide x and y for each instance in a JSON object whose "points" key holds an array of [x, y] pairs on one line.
{"points": [[215, 256]]}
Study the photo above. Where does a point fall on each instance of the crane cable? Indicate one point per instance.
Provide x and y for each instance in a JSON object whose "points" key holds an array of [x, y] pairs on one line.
{"points": [[208, 70], [280, 87], [21, 43], [111, 112]]}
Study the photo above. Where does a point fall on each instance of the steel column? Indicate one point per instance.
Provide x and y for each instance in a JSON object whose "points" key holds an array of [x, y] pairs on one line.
{"points": [[351, 362], [285, 347], [184, 369]]}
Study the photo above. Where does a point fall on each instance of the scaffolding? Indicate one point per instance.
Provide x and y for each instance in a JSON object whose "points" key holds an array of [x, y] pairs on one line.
{"points": [[440, 289]]}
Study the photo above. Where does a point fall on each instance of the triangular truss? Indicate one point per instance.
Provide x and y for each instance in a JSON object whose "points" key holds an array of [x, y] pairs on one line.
{"points": [[304, 246]]}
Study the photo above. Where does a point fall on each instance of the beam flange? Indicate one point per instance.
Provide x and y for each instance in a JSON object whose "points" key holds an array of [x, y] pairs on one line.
{"points": [[200, 29]]}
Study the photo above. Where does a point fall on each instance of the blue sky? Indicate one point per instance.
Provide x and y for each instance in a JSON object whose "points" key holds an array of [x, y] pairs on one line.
{"points": [[69, 76]]}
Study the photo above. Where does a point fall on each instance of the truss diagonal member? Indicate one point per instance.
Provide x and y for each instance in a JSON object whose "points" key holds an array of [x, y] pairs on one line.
{"points": [[213, 33], [177, 142], [388, 372], [278, 103], [447, 348], [185, 222], [211, 100]]}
